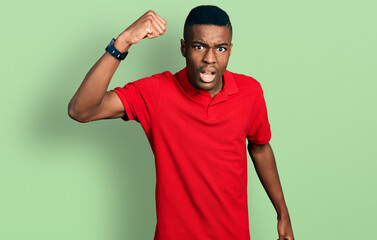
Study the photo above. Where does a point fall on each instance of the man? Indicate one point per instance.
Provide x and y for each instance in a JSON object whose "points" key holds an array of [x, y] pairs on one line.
{"points": [[197, 122]]}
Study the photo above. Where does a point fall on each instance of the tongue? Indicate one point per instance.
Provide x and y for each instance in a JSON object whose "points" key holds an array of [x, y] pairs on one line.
{"points": [[207, 77]]}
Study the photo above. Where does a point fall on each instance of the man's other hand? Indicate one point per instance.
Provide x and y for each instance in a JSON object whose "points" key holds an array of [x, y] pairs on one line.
{"points": [[285, 229]]}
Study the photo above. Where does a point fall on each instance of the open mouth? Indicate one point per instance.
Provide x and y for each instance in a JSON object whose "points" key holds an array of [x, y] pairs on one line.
{"points": [[207, 75]]}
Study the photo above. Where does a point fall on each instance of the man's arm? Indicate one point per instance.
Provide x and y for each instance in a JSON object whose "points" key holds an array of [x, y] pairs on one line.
{"points": [[92, 101], [265, 166]]}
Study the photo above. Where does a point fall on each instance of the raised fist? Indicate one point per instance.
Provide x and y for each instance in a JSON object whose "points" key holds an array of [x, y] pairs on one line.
{"points": [[148, 25]]}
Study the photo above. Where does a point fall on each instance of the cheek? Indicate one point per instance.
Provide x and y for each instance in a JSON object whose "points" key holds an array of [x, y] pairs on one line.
{"points": [[193, 59], [224, 59]]}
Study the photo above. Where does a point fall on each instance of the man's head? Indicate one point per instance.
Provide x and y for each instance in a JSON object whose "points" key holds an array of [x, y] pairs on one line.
{"points": [[207, 47]]}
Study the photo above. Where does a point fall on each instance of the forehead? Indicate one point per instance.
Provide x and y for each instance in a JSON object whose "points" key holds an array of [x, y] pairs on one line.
{"points": [[210, 34]]}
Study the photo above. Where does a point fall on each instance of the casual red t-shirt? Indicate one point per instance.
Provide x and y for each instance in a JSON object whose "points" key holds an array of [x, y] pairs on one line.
{"points": [[199, 144]]}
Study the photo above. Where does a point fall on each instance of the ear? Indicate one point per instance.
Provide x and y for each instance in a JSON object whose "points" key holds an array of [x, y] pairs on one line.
{"points": [[183, 47], [230, 48]]}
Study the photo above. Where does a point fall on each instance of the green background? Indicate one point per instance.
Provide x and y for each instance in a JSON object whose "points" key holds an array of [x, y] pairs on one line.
{"points": [[60, 179]]}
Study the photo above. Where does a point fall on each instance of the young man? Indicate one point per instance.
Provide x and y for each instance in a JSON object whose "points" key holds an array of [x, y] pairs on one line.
{"points": [[197, 122]]}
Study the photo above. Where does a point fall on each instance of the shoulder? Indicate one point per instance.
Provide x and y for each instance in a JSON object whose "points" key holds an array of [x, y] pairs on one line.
{"points": [[163, 75], [163, 78], [153, 81], [246, 83]]}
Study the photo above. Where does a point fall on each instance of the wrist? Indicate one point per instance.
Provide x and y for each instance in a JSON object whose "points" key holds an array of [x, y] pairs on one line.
{"points": [[283, 214], [121, 44]]}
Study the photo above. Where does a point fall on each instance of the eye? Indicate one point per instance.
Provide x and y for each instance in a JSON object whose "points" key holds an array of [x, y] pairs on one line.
{"points": [[199, 47], [221, 49]]}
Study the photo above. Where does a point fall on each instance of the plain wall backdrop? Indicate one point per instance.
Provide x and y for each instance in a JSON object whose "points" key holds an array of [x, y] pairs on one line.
{"points": [[60, 179]]}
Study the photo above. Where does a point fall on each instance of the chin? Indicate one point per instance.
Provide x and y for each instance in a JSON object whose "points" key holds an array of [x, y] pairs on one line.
{"points": [[205, 86]]}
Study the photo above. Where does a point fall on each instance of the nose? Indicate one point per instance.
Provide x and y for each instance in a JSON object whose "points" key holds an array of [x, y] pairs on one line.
{"points": [[209, 57]]}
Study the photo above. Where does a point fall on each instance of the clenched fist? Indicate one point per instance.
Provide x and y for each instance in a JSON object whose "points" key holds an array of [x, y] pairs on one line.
{"points": [[148, 25]]}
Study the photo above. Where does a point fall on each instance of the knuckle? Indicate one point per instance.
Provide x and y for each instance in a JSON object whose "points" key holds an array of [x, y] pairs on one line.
{"points": [[149, 30], [150, 18], [148, 22]]}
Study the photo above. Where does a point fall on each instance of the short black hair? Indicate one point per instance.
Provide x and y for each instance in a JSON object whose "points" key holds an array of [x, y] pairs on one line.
{"points": [[206, 15]]}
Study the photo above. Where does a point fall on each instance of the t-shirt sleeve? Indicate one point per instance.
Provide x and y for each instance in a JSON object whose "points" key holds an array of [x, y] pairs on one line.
{"points": [[139, 99], [259, 131]]}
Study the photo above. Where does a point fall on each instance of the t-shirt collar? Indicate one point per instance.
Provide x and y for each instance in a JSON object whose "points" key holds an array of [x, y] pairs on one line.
{"points": [[230, 86]]}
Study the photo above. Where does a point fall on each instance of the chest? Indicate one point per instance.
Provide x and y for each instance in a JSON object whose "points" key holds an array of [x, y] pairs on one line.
{"points": [[201, 118]]}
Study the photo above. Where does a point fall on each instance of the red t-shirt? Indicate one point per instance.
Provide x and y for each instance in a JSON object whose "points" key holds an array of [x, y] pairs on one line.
{"points": [[199, 144]]}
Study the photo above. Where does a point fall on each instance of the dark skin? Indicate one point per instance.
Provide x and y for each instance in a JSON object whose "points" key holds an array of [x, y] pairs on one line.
{"points": [[206, 49], [92, 101], [265, 166], [209, 47]]}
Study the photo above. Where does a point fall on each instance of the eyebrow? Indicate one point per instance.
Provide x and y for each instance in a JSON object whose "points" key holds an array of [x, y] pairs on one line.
{"points": [[221, 44]]}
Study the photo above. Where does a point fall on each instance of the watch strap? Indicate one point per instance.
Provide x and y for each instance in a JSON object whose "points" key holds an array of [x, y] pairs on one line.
{"points": [[114, 52]]}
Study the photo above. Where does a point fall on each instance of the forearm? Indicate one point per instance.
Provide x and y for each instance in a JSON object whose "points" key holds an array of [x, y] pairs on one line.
{"points": [[92, 101], [94, 86], [265, 166]]}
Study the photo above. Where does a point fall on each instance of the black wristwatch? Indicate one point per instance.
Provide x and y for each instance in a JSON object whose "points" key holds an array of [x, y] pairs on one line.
{"points": [[114, 52]]}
